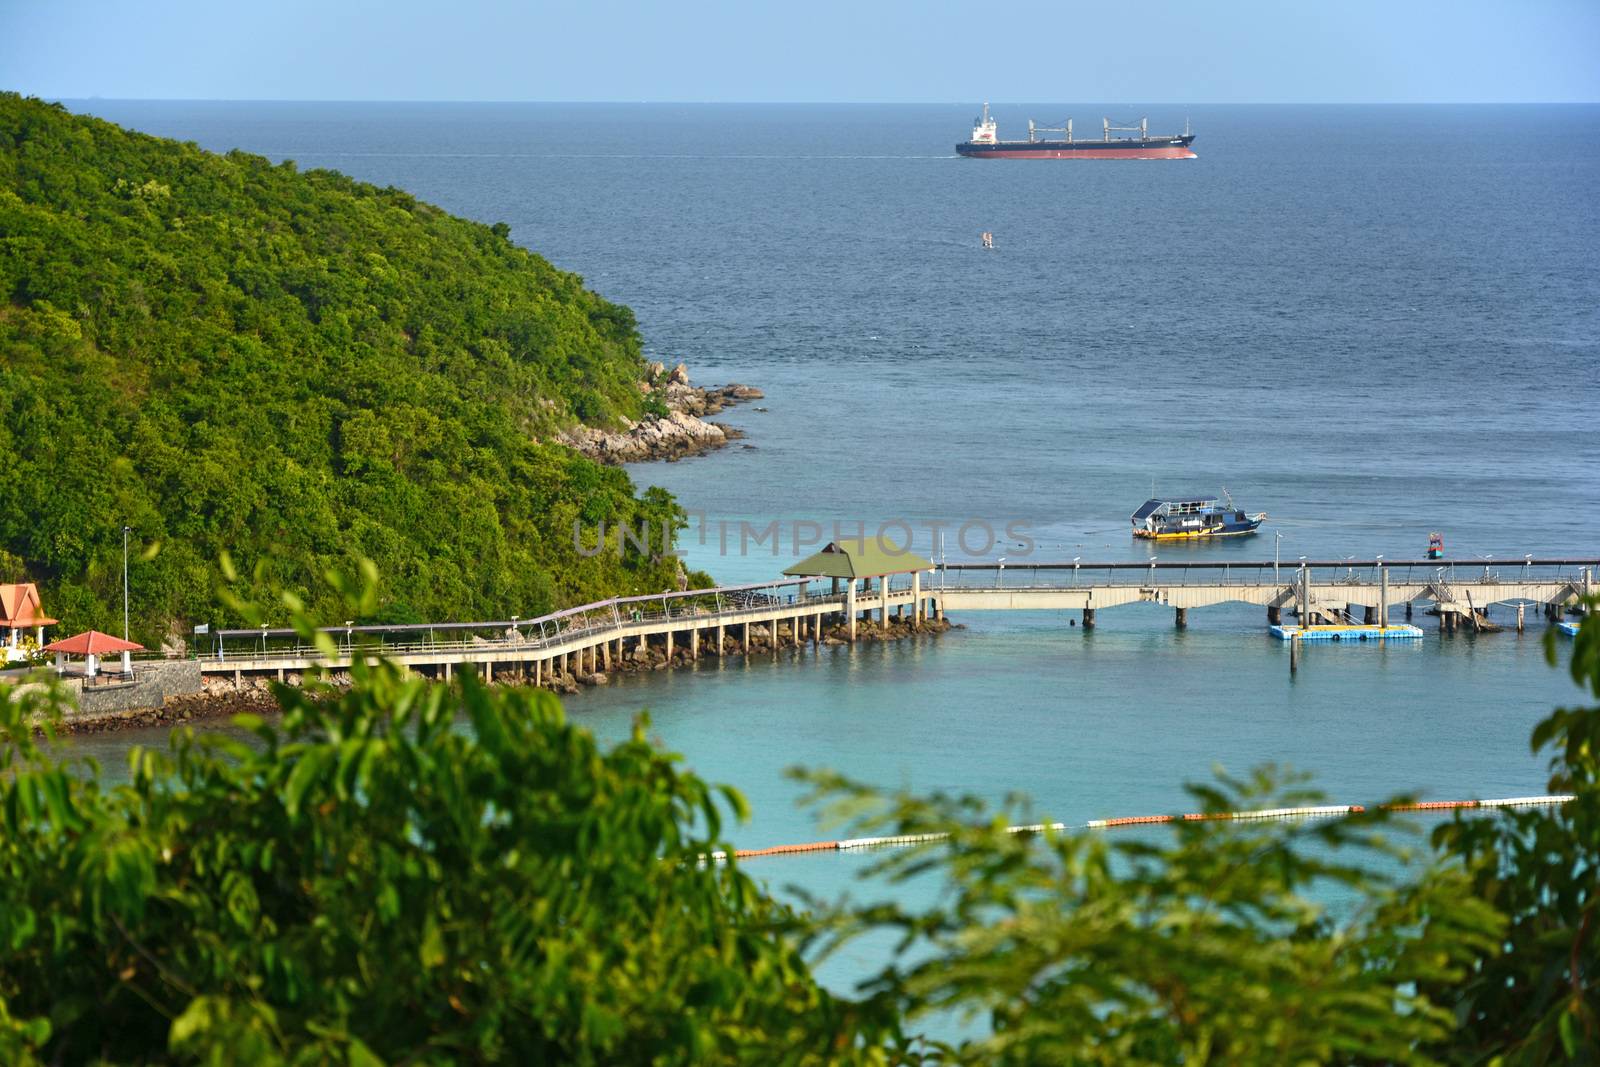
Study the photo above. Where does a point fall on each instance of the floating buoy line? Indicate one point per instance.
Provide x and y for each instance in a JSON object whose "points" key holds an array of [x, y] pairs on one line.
{"points": [[1328, 811]]}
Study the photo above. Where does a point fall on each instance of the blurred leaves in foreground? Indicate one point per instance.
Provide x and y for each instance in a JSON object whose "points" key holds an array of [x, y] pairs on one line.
{"points": [[402, 871]]}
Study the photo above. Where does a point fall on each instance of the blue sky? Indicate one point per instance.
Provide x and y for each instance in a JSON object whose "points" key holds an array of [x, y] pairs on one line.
{"points": [[1205, 51]]}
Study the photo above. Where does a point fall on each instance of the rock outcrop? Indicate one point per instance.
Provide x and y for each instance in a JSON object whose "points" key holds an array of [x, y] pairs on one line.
{"points": [[682, 431]]}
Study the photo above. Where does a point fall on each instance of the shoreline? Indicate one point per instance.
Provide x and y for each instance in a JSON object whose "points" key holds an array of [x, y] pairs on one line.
{"points": [[681, 432], [221, 700]]}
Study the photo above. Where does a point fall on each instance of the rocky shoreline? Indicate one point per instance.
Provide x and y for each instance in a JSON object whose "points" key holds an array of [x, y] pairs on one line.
{"points": [[220, 699], [682, 431]]}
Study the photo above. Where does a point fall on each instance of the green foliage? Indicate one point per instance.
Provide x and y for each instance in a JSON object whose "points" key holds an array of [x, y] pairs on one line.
{"points": [[367, 882], [297, 368], [1538, 1000], [1199, 945]]}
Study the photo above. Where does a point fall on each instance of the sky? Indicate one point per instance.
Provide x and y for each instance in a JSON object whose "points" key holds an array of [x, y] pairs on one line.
{"points": [[893, 51]]}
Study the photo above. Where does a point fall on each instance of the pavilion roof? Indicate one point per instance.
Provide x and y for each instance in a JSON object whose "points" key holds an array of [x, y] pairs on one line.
{"points": [[92, 643], [869, 557], [20, 607]]}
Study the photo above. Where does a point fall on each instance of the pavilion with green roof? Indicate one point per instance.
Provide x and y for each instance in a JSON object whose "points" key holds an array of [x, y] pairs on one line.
{"points": [[860, 561]]}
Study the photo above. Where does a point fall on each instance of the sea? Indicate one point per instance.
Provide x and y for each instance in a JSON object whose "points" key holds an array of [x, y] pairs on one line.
{"points": [[1372, 323]]}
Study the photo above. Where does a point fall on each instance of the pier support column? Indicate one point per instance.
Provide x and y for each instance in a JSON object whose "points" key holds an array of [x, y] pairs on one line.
{"points": [[488, 671], [1088, 618], [1369, 616], [1182, 620], [1408, 611], [1274, 615], [794, 630], [1519, 618], [669, 646], [883, 602], [722, 638], [694, 643], [850, 608], [605, 654], [938, 609], [447, 670], [816, 630], [538, 671], [916, 598], [745, 645]]}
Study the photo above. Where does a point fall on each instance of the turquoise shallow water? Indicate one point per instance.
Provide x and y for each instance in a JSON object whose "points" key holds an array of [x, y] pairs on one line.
{"points": [[1369, 322]]}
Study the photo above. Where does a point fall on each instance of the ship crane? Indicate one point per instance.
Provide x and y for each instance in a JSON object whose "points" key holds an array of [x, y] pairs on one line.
{"points": [[1143, 129], [1067, 130]]}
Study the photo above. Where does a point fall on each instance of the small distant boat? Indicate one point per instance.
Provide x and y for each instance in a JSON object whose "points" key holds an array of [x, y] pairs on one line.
{"points": [[1170, 520], [1436, 546]]}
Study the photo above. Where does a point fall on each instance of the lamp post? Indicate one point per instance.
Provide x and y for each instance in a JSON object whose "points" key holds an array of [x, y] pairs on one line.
{"points": [[125, 530], [1000, 575], [1277, 539]]}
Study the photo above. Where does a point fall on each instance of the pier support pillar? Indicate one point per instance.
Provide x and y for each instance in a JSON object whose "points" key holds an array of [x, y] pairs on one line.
{"points": [[488, 671], [669, 646], [816, 630], [1383, 596], [538, 670], [1182, 620], [605, 654], [938, 609], [447, 670], [694, 643], [1519, 618], [1274, 615], [794, 630], [722, 639], [1088, 618], [916, 598], [1408, 611], [850, 608], [1370, 616], [883, 602]]}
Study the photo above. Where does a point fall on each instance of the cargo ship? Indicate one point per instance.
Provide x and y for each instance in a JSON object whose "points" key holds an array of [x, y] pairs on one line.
{"points": [[1169, 520], [986, 143]]}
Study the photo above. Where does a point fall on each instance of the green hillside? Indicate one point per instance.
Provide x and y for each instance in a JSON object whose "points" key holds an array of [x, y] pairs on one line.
{"points": [[299, 369]]}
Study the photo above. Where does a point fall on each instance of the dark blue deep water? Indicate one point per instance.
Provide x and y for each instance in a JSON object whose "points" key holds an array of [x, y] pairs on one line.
{"points": [[1371, 322]]}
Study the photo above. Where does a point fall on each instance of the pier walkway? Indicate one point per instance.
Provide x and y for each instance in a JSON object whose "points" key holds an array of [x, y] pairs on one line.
{"points": [[591, 638]]}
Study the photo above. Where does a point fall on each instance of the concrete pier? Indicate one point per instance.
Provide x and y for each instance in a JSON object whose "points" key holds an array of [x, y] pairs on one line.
{"points": [[584, 640]]}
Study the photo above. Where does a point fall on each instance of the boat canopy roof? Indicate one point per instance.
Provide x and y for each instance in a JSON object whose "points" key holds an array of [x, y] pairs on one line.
{"points": [[1147, 509], [1186, 506]]}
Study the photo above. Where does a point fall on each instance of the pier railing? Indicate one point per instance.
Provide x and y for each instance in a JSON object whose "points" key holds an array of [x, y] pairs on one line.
{"points": [[620, 616], [535, 635], [1075, 574]]}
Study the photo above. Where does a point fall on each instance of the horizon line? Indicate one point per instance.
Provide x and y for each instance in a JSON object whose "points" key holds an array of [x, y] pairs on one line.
{"points": [[796, 103]]}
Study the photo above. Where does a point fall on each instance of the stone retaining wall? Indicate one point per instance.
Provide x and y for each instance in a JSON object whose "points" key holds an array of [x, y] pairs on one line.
{"points": [[153, 684]]}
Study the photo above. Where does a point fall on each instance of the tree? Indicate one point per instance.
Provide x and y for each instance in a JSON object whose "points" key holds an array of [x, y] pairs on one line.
{"points": [[1536, 999], [366, 881]]}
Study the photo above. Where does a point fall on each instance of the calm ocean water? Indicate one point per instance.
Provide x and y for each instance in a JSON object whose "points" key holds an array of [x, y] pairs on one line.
{"points": [[1370, 322]]}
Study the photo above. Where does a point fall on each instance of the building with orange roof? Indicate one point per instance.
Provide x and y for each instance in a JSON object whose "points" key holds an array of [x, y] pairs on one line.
{"points": [[20, 611], [93, 646]]}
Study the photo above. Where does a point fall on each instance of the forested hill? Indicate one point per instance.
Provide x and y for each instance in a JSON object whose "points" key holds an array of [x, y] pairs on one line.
{"points": [[299, 369]]}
